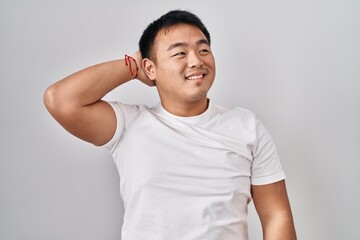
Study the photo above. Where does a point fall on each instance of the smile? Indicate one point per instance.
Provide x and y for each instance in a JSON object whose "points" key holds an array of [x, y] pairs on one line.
{"points": [[193, 77]]}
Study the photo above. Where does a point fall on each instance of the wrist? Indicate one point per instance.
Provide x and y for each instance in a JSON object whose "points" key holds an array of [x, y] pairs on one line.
{"points": [[132, 65]]}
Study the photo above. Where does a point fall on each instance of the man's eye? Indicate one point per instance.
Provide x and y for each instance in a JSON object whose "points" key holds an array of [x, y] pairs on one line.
{"points": [[204, 51], [179, 54]]}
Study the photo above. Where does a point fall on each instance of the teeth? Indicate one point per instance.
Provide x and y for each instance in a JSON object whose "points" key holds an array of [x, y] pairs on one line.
{"points": [[195, 77]]}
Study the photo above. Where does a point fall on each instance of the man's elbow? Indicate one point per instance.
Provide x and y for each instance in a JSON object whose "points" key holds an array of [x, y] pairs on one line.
{"points": [[49, 98], [54, 101], [280, 226]]}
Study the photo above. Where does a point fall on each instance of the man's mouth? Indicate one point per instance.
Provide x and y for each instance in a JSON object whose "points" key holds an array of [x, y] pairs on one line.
{"points": [[194, 77]]}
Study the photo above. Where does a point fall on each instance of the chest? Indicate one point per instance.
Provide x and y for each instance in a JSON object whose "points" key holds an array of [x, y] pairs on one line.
{"points": [[159, 152]]}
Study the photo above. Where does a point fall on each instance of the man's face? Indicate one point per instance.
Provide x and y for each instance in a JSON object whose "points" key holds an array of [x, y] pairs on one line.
{"points": [[184, 68]]}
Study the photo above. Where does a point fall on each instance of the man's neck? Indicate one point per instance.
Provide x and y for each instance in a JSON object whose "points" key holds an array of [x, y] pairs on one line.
{"points": [[186, 109]]}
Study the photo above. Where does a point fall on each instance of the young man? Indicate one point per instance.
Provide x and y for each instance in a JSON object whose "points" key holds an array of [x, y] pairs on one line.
{"points": [[188, 168]]}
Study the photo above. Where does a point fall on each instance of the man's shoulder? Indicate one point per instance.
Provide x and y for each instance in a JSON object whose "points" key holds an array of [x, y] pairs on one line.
{"points": [[234, 111], [131, 106]]}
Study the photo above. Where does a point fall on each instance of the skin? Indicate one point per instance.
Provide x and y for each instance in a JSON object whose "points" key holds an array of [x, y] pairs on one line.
{"points": [[273, 207], [180, 52]]}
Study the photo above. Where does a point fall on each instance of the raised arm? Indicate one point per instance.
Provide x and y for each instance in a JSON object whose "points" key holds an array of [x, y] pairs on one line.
{"points": [[75, 102], [272, 204]]}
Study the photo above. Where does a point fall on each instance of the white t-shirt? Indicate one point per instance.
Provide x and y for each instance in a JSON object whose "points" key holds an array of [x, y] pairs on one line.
{"points": [[189, 178]]}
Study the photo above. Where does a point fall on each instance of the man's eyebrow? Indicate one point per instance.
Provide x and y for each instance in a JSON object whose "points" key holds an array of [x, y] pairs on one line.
{"points": [[177, 44], [183, 44], [203, 41]]}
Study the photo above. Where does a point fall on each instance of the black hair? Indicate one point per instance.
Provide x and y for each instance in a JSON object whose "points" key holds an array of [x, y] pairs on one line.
{"points": [[166, 21]]}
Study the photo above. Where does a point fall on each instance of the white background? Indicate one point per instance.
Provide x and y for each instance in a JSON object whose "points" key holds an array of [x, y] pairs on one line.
{"points": [[296, 64]]}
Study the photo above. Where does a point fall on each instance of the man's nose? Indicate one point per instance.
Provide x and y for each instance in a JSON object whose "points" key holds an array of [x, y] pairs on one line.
{"points": [[194, 61]]}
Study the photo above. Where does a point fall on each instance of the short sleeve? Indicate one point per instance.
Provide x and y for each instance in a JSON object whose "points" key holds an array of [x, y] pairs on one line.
{"points": [[266, 166], [124, 114]]}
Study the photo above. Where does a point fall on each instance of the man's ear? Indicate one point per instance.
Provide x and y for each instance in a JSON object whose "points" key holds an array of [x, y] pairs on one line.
{"points": [[149, 68]]}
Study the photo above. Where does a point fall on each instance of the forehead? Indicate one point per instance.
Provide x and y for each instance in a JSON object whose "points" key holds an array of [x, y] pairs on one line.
{"points": [[177, 33]]}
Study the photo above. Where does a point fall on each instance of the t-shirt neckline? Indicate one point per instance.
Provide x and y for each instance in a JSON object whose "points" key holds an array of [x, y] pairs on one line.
{"points": [[198, 119]]}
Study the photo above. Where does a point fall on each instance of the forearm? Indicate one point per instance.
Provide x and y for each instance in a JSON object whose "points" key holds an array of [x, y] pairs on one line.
{"points": [[75, 102], [89, 85]]}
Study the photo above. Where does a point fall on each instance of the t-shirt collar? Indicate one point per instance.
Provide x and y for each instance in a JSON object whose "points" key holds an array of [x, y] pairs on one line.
{"points": [[198, 119]]}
